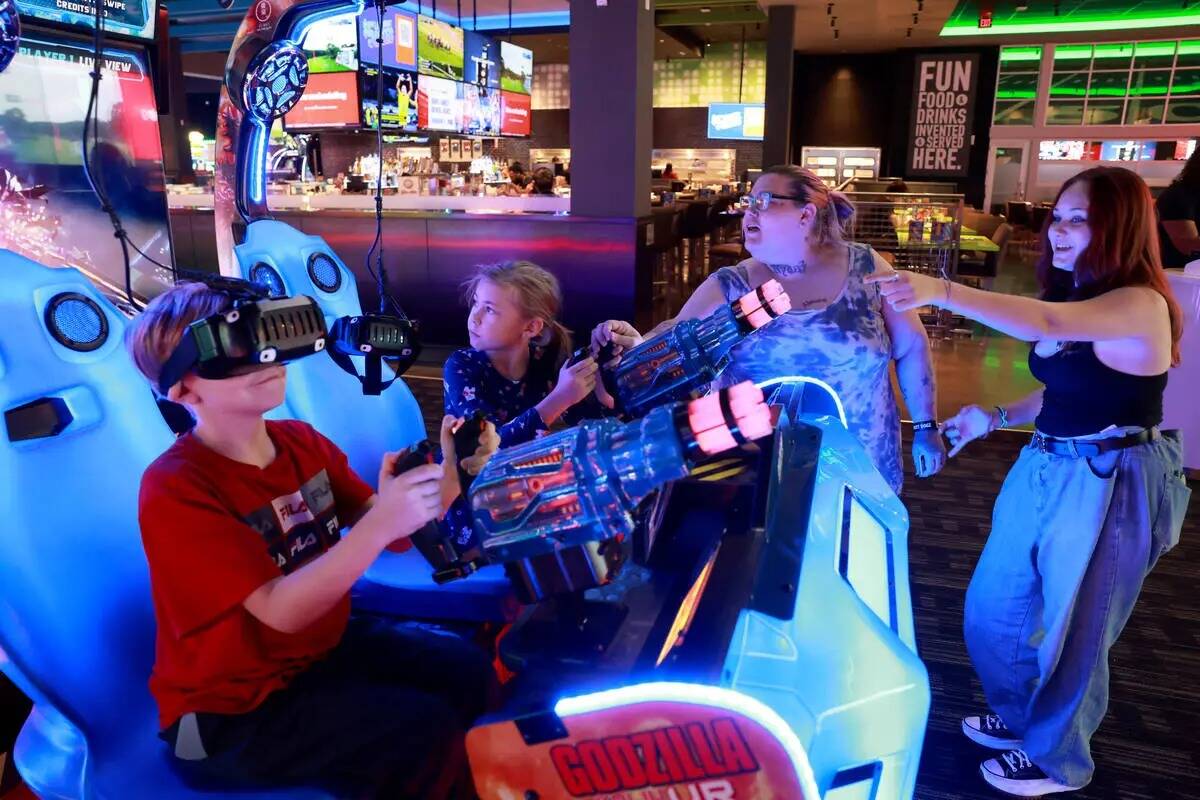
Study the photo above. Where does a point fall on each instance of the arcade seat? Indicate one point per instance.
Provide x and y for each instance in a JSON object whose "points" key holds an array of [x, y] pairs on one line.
{"points": [[364, 427], [76, 620]]}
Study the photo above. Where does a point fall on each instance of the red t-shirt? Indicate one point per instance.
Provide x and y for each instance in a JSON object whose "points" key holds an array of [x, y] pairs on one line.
{"points": [[215, 530]]}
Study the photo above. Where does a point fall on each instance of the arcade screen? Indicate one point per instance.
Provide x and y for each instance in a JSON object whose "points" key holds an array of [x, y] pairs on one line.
{"points": [[516, 68], [399, 98], [1184, 149], [332, 45], [482, 61], [865, 558], [125, 17], [47, 211], [481, 111], [399, 39], [1061, 150], [330, 100], [515, 115], [439, 49], [439, 104]]}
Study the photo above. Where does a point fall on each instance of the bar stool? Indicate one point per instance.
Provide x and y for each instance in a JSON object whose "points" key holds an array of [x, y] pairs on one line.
{"points": [[694, 232]]}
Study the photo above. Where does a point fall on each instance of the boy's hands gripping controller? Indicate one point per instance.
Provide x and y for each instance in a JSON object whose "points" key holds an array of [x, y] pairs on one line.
{"points": [[690, 354]]}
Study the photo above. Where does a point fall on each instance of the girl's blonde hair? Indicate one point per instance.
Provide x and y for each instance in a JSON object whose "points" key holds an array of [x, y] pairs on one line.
{"points": [[537, 295]]}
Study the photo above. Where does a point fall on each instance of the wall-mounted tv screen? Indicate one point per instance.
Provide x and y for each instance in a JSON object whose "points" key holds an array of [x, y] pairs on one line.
{"points": [[481, 111], [439, 104], [332, 45], [330, 100], [125, 18], [439, 49], [736, 121], [515, 114], [399, 98], [399, 39], [516, 68], [482, 61], [1062, 150], [47, 210]]}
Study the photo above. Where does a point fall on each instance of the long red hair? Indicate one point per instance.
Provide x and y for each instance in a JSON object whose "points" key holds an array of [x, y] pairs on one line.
{"points": [[1124, 248]]}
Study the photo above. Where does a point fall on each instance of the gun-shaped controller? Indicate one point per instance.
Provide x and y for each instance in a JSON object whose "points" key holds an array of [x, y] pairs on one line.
{"points": [[689, 355], [556, 509], [440, 550]]}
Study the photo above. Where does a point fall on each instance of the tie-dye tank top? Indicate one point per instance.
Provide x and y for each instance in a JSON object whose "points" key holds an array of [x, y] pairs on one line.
{"points": [[845, 344]]}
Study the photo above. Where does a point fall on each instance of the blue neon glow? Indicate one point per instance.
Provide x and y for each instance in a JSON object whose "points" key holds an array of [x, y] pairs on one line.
{"points": [[10, 32], [790, 379], [307, 20], [256, 169], [700, 695]]}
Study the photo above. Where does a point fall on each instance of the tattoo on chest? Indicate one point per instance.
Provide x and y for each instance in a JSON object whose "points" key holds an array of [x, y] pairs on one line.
{"points": [[816, 302], [788, 270]]}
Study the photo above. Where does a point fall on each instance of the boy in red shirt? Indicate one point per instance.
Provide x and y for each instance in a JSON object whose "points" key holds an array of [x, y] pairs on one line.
{"points": [[261, 675]]}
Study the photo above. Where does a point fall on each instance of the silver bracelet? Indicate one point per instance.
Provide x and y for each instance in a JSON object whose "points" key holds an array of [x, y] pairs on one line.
{"points": [[1003, 412]]}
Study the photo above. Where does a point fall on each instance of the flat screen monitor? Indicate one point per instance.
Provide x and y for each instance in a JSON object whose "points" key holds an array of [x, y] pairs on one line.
{"points": [[1184, 149], [133, 18], [1119, 151], [482, 61], [47, 210], [332, 45], [330, 100], [439, 104], [736, 121], [399, 98], [439, 49], [1061, 150], [481, 111], [399, 38], [866, 561], [515, 114], [516, 68]]}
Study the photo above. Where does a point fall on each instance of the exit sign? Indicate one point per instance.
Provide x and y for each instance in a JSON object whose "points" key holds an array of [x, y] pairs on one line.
{"points": [[985, 18]]}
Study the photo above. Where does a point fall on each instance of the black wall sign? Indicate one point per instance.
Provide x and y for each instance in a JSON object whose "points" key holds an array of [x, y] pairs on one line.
{"points": [[939, 141]]}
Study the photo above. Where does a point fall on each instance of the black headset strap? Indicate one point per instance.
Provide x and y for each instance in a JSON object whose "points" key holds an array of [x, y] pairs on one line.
{"points": [[372, 382], [182, 360]]}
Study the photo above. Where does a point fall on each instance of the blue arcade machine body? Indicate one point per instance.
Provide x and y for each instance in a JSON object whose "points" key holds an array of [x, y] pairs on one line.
{"points": [[797, 616], [76, 621]]}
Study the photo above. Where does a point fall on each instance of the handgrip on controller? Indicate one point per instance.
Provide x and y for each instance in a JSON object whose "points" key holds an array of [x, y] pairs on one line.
{"points": [[608, 377], [423, 452], [466, 442]]}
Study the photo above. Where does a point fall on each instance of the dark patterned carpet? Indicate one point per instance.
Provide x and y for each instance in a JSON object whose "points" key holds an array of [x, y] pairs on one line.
{"points": [[1148, 747]]}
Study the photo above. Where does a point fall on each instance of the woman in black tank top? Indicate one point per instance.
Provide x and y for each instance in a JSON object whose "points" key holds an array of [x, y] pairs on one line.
{"points": [[1097, 495]]}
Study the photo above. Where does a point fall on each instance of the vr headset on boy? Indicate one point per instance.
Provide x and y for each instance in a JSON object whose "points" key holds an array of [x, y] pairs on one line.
{"points": [[256, 332]]}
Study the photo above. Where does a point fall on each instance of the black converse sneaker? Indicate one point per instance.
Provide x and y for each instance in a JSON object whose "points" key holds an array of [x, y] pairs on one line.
{"points": [[1013, 772], [990, 731]]}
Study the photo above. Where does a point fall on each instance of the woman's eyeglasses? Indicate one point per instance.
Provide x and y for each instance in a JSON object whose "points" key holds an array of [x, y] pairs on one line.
{"points": [[762, 200]]}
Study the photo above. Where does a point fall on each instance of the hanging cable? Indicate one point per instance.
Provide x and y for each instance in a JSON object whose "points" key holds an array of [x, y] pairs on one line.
{"points": [[474, 16], [379, 273], [458, 19], [742, 65], [510, 21]]}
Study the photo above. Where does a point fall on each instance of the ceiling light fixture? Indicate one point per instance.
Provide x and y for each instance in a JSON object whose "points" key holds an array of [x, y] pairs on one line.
{"points": [[833, 22], [829, 9], [920, 5], [908, 35], [915, 19], [705, 10], [835, 33]]}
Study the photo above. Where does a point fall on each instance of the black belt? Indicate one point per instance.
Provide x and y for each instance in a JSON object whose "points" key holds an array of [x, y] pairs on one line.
{"points": [[1089, 448]]}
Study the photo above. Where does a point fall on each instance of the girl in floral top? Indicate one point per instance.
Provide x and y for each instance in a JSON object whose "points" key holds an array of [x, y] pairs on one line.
{"points": [[515, 370]]}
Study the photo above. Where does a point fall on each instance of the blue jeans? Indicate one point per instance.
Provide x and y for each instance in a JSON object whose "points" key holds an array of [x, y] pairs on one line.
{"points": [[1072, 540]]}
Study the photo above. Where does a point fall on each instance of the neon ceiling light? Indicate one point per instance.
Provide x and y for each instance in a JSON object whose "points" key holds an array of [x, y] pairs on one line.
{"points": [[965, 19], [700, 695]]}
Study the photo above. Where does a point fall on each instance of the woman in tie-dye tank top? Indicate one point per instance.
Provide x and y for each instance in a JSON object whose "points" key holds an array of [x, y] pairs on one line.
{"points": [[838, 330]]}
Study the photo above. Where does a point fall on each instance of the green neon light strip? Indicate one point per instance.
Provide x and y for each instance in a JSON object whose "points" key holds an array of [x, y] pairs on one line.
{"points": [[1016, 94], [1020, 54], [1154, 49], [964, 28], [1189, 48]]}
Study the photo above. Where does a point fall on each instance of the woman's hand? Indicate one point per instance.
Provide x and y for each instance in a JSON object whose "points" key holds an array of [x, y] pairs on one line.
{"points": [[969, 424], [907, 290], [623, 336], [928, 452]]}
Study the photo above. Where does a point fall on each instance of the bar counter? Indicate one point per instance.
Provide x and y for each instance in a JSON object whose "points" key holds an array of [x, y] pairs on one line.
{"points": [[603, 264]]}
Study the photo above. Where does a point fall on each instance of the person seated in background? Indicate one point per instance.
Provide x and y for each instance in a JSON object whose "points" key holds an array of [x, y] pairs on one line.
{"points": [[1179, 216], [543, 181], [669, 173], [262, 676]]}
